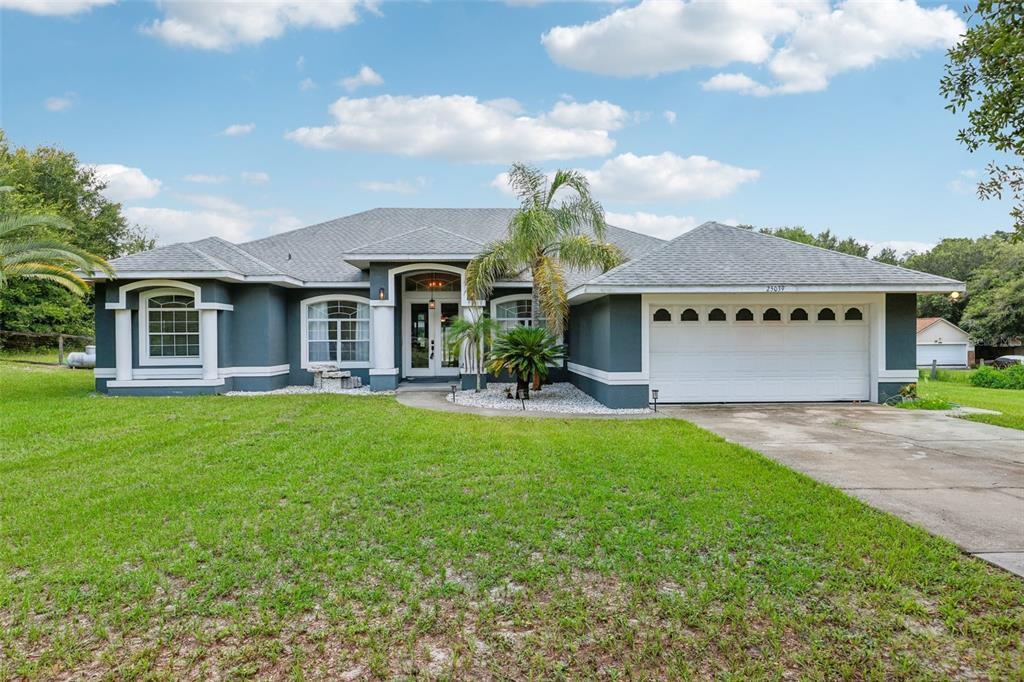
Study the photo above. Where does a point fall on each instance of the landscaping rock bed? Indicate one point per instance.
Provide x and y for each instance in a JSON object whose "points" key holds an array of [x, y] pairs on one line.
{"points": [[562, 398]]}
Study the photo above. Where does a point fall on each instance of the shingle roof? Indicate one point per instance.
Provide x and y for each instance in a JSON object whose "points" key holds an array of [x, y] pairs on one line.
{"points": [[925, 322], [435, 240], [714, 255], [317, 253]]}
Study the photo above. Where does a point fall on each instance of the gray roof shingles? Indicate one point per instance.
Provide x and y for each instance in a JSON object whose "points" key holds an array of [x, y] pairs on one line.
{"points": [[710, 255], [317, 253], [721, 255]]}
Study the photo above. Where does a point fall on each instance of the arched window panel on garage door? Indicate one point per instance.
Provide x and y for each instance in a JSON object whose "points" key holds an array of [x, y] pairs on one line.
{"points": [[662, 315], [689, 315]]}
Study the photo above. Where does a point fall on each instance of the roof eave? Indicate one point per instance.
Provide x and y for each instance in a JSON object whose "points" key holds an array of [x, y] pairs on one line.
{"points": [[223, 275], [362, 260], [588, 291]]}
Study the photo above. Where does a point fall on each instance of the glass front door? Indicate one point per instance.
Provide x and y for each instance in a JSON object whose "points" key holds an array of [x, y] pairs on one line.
{"points": [[427, 339]]}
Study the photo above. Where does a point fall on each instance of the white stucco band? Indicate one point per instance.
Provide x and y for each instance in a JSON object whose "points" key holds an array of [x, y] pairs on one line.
{"points": [[382, 320], [197, 291]]}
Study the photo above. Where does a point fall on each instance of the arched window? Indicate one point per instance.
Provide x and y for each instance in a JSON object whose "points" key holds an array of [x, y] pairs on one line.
{"points": [[826, 315], [771, 315], [853, 314], [662, 315], [338, 330], [716, 315], [689, 315], [169, 327], [798, 315], [744, 315]]}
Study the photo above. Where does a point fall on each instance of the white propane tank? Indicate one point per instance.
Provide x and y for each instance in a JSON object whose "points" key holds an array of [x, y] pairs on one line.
{"points": [[83, 360]]}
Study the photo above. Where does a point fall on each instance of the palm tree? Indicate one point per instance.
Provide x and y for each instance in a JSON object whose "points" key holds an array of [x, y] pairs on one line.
{"points": [[545, 236], [474, 334], [22, 254], [526, 352]]}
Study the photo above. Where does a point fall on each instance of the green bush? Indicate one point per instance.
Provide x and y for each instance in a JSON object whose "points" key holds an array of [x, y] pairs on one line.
{"points": [[925, 404], [989, 377]]}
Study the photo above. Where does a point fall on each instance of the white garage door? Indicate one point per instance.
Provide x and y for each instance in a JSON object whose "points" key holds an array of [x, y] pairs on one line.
{"points": [[757, 353], [946, 354]]}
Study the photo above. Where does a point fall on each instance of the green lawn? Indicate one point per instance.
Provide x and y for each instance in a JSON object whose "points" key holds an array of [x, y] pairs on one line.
{"points": [[1009, 402], [298, 537]]}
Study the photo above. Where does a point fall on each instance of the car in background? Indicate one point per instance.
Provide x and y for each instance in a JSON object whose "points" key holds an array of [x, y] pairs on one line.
{"points": [[1004, 361]]}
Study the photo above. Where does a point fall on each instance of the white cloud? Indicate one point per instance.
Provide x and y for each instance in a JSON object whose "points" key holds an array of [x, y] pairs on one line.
{"points": [[966, 182], [395, 186], [666, 177], [597, 115], [307, 84], [236, 129], [670, 116], [59, 103], [455, 127], [54, 8], [125, 183], [658, 177], [659, 36], [901, 246], [203, 179], [300, 63], [255, 177], [365, 76], [211, 215], [661, 226], [227, 24], [802, 44]]}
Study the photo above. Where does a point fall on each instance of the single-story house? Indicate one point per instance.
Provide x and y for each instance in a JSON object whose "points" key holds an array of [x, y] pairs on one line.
{"points": [[718, 314], [944, 343]]}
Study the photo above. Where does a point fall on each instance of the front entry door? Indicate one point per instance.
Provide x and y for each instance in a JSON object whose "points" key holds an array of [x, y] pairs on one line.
{"points": [[426, 344]]}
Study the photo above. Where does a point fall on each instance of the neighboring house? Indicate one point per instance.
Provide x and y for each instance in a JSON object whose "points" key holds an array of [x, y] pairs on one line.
{"points": [[718, 314], [942, 342]]}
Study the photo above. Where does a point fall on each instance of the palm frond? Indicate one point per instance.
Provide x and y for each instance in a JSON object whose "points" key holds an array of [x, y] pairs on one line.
{"points": [[583, 252], [529, 184], [493, 264], [15, 225], [48, 272], [530, 232], [549, 288]]}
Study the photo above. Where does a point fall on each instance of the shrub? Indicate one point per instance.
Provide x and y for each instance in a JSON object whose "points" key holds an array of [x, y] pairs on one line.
{"points": [[925, 404], [526, 353], [908, 392], [989, 377]]}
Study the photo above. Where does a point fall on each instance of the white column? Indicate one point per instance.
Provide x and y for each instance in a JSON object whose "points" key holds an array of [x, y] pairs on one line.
{"points": [[123, 344], [382, 317], [208, 342]]}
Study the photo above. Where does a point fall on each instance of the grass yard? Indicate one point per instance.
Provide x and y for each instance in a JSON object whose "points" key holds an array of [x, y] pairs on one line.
{"points": [[1009, 402], [302, 537]]}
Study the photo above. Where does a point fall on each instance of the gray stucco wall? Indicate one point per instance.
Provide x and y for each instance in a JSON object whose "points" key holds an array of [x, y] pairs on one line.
{"points": [[606, 334], [292, 332], [901, 331]]}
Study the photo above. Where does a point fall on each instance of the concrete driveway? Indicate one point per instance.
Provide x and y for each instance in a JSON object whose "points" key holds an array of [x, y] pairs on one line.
{"points": [[958, 479]]}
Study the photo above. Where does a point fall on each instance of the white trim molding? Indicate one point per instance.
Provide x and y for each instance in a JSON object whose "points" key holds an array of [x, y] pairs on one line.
{"points": [[161, 373], [609, 378], [384, 371], [435, 267], [241, 372], [304, 330], [592, 290], [197, 291], [897, 375]]}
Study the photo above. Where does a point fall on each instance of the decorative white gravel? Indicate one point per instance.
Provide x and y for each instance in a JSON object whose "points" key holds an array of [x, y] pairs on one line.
{"points": [[295, 390], [562, 398]]}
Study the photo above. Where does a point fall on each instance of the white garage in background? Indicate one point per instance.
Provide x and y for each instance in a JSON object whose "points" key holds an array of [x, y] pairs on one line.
{"points": [[756, 351], [942, 341]]}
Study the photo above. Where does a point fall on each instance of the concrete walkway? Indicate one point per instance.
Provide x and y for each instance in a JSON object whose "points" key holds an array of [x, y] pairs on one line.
{"points": [[958, 479]]}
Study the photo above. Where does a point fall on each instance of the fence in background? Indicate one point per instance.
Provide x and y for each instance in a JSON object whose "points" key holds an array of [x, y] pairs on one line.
{"points": [[27, 341]]}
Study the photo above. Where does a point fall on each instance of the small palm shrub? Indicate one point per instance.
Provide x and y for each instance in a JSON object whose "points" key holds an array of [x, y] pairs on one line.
{"points": [[526, 353], [989, 377]]}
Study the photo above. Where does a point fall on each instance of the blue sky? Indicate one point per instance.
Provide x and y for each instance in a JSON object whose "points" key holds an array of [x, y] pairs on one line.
{"points": [[826, 116]]}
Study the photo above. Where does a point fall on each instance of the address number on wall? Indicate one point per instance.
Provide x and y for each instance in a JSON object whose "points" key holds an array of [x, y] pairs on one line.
{"points": [[775, 288]]}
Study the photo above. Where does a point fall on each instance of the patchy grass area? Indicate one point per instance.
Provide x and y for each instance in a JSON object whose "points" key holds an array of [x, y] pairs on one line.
{"points": [[925, 404], [313, 536], [1009, 402]]}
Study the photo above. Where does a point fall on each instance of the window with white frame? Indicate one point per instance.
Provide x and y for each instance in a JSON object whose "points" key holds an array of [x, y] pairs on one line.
{"points": [[172, 326], [338, 331], [513, 313]]}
